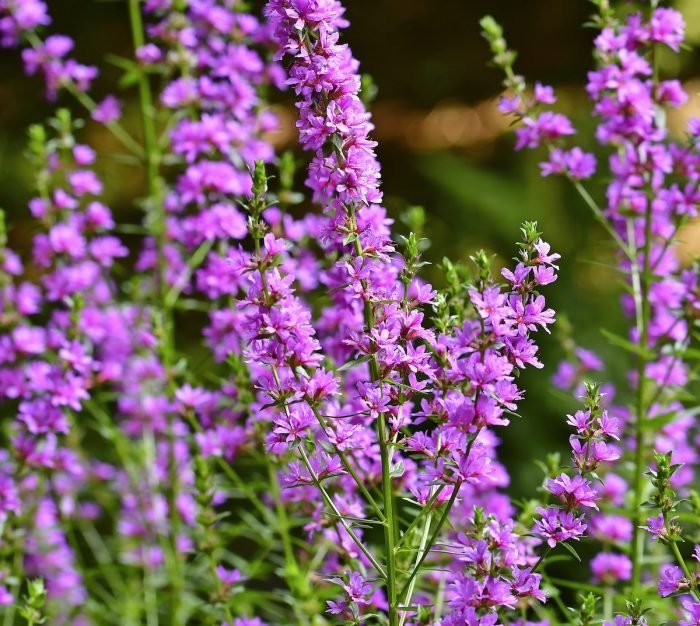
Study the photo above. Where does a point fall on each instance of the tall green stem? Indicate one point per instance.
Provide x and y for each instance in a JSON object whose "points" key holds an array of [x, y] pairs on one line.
{"points": [[389, 539], [643, 315], [390, 520], [152, 160]]}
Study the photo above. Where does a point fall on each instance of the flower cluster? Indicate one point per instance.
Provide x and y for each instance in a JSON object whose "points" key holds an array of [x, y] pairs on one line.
{"points": [[19, 21], [575, 492], [652, 192], [352, 407], [55, 352]]}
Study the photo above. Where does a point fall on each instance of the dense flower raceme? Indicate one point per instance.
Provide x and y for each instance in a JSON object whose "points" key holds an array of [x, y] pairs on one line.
{"points": [[462, 378], [54, 353], [652, 193], [207, 54], [575, 493]]}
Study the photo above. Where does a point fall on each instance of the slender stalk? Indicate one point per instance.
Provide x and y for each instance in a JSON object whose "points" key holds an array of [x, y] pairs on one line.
{"points": [[391, 521], [641, 407], [440, 599], [539, 562], [292, 568], [292, 571], [588, 199], [421, 549], [17, 571], [426, 510], [681, 561], [114, 127], [152, 159], [235, 479], [90, 105], [389, 543], [350, 469], [331, 505], [608, 604], [433, 538], [152, 153]]}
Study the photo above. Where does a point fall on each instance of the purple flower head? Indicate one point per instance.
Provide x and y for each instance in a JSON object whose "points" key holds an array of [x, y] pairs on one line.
{"points": [[611, 528], [228, 577], [692, 614], [670, 579], [544, 94], [656, 527], [575, 163], [547, 127], [609, 568], [107, 111], [556, 526], [574, 491], [668, 27]]}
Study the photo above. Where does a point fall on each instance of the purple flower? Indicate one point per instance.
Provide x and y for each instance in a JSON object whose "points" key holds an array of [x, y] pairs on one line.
{"points": [[544, 94], [692, 610], [557, 526], [573, 491], [668, 27], [149, 54], [574, 163], [228, 577], [670, 579], [547, 127], [656, 526], [609, 568], [107, 111], [611, 528]]}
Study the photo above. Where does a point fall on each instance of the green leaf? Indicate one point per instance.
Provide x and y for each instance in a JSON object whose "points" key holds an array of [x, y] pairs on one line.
{"points": [[623, 343], [659, 421], [572, 551], [363, 359]]}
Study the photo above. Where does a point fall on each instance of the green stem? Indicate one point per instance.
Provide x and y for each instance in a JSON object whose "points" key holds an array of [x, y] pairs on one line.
{"points": [[643, 316], [421, 550], [588, 199], [681, 561], [90, 105], [235, 479], [608, 604], [292, 568], [433, 538], [297, 583], [331, 505], [543, 556], [114, 127], [152, 155], [389, 543], [17, 571], [426, 510], [350, 469], [152, 160], [390, 522]]}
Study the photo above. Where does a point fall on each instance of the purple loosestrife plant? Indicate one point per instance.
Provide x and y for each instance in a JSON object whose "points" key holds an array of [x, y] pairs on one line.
{"points": [[251, 408], [652, 180], [462, 376]]}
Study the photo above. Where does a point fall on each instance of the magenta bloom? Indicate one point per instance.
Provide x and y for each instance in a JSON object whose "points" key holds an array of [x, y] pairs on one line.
{"points": [[573, 491], [692, 610], [610, 568], [556, 526], [669, 580]]}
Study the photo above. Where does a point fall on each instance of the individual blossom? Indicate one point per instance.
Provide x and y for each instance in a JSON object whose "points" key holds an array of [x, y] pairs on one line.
{"points": [[670, 580], [610, 568]]}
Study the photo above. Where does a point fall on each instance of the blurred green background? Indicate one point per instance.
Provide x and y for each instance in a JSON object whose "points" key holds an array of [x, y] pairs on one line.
{"points": [[442, 145]]}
